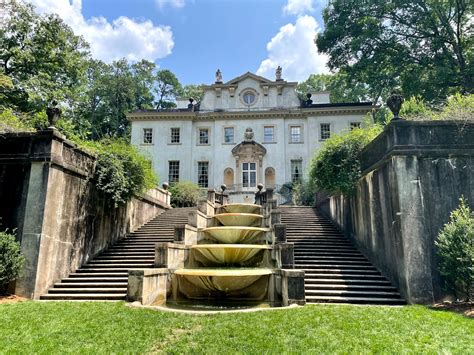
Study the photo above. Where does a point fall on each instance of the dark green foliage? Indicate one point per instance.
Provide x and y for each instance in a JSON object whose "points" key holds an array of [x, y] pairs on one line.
{"points": [[185, 194], [336, 167], [298, 193], [167, 87], [11, 260], [424, 46], [121, 171], [192, 91], [456, 251]]}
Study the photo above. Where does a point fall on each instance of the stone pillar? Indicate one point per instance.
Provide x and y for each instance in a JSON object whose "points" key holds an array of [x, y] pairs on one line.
{"points": [[33, 229]]}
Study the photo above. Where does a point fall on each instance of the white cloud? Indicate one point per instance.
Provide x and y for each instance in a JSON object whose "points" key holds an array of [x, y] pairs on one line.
{"points": [[172, 3], [123, 37], [294, 50], [298, 7]]}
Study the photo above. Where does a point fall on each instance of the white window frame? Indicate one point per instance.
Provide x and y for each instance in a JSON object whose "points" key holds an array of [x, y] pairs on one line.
{"points": [[224, 136], [248, 172], [354, 125], [173, 180], [321, 138], [298, 163], [291, 140], [206, 174], [144, 136], [179, 135], [273, 134], [199, 129]]}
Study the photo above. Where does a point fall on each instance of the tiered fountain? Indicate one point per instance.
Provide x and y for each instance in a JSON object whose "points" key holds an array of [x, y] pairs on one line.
{"points": [[228, 256]]}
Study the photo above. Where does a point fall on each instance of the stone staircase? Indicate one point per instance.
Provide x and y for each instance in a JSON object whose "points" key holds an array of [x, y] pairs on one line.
{"points": [[336, 272], [105, 276]]}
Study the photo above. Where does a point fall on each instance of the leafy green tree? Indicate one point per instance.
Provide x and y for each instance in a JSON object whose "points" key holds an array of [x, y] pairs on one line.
{"points": [[336, 167], [426, 46], [341, 87], [192, 91], [455, 245], [185, 194], [41, 55], [143, 74], [167, 88]]}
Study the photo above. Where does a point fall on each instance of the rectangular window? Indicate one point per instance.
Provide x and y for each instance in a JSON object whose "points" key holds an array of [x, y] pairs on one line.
{"points": [[249, 174], [203, 136], [295, 134], [173, 171], [175, 135], [268, 134], [325, 131], [203, 174], [147, 136], [228, 134], [296, 171], [355, 125]]}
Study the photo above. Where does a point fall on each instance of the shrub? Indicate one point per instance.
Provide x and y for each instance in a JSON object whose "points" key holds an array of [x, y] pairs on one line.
{"points": [[11, 122], [121, 171], [336, 167], [185, 194], [456, 251], [11, 260], [298, 193]]}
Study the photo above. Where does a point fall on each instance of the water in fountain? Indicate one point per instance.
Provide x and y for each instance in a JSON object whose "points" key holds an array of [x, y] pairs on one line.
{"points": [[232, 263]]}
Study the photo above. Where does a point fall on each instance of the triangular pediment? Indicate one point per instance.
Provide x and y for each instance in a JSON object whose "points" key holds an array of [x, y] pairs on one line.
{"points": [[250, 75]]}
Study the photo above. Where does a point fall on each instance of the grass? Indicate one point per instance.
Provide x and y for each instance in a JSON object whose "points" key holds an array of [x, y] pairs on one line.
{"points": [[69, 327]]}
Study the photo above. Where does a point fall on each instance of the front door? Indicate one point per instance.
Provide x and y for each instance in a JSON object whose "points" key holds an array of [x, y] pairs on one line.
{"points": [[249, 175]]}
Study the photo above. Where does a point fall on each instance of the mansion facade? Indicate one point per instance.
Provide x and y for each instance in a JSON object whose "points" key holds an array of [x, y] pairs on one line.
{"points": [[246, 131]]}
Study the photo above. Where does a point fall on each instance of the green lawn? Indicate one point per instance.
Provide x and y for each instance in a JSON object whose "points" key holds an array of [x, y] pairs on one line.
{"points": [[59, 327]]}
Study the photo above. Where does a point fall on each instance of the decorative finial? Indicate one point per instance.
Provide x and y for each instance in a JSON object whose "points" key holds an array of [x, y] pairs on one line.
{"points": [[218, 76], [53, 112], [223, 187], [394, 103], [260, 187], [278, 73], [166, 186]]}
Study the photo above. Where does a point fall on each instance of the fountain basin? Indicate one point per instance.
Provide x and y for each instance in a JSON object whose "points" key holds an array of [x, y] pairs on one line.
{"points": [[227, 253], [239, 219], [235, 235], [223, 281], [241, 208]]}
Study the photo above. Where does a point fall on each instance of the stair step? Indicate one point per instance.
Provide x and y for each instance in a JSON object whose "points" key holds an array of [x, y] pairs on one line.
{"points": [[87, 290], [89, 279], [85, 296], [342, 287], [96, 284], [347, 281], [334, 267], [357, 300], [86, 273], [352, 293]]}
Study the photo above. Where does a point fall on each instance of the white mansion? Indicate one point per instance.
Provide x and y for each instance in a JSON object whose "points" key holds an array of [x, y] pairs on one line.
{"points": [[246, 131]]}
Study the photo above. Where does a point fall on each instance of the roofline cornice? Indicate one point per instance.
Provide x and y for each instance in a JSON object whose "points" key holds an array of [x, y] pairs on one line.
{"points": [[225, 115]]}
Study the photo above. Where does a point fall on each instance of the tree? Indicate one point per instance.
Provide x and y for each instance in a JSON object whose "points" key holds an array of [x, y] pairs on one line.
{"points": [[192, 91], [167, 88], [341, 87], [41, 55], [143, 74], [426, 46]]}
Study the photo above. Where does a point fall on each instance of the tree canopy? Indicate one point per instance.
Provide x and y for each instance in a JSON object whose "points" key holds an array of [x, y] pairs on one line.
{"points": [[425, 46], [41, 58]]}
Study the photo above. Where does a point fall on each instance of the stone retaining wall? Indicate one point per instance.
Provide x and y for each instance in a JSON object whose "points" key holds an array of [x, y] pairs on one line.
{"points": [[413, 176], [62, 220]]}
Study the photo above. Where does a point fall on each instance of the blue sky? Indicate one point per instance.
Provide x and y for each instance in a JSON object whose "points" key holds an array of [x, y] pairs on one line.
{"points": [[193, 38]]}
